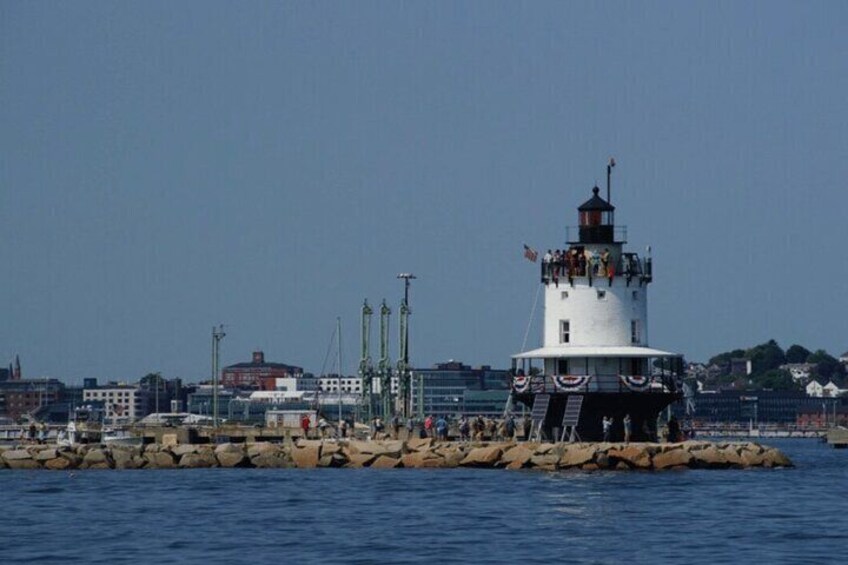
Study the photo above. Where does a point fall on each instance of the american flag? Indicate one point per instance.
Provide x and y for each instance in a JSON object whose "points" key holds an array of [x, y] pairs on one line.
{"points": [[530, 254]]}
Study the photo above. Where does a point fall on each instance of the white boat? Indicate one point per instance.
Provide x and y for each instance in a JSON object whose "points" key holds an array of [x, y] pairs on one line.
{"points": [[122, 437]]}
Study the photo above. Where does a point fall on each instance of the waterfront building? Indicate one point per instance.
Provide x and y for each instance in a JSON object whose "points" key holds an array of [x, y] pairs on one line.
{"points": [[828, 414], [201, 401], [162, 392], [331, 383], [257, 374], [305, 394], [762, 406], [122, 402], [252, 409], [452, 389], [27, 396], [595, 336]]}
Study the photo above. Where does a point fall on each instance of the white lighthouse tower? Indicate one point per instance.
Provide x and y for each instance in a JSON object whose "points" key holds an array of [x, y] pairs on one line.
{"points": [[595, 344]]}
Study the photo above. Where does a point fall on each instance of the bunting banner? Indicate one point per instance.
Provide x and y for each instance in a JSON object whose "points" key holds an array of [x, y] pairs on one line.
{"points": [[520, 383], [569, 383], [636, 383]]}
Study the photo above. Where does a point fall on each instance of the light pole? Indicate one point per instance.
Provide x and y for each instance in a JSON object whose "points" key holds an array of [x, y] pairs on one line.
{"points": [[339, 331], [217, 335]]}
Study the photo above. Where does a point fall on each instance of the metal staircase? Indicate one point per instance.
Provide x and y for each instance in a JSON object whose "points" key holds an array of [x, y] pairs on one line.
{"points": [[537, 416], [571, 417]]}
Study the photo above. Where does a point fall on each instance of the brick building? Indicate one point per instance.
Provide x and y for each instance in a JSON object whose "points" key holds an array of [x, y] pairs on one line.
{"points": [[257, 374], [25, 396]]}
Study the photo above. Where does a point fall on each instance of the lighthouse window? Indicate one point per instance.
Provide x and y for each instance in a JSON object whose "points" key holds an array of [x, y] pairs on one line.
{"points": [[602, 294], [635, 295], [564, 294], [564, 331], [635, 336]]}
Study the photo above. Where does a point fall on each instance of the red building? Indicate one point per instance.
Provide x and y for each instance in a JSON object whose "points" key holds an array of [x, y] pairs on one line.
{"points": [[26, 396], [257, 374], [826, 416]]}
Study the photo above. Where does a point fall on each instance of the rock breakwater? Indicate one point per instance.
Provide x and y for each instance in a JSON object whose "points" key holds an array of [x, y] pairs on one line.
{"points": [[415, 453]]}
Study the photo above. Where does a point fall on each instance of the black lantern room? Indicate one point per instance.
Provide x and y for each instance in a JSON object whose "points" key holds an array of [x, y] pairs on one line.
{"points": [[596, 220]]}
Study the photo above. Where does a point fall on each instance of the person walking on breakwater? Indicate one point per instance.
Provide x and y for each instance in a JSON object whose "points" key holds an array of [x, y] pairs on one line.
{"points": [[464, 429], [673, 430], [628, 428], [410, 427], [501, 430], [322, 427], [304, 425], [395, 427], [491, 429], [442, 429], [343, 428], [428, 426], [479, 428], [607, 427], [509, 425]]}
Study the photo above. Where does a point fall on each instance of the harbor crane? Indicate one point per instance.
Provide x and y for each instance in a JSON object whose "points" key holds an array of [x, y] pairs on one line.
{"points": [[404, 371], [384, 368], [366, 367]]}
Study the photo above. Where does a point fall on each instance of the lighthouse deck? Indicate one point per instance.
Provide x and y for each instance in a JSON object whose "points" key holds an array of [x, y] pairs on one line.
{"points": [[603, 384]]}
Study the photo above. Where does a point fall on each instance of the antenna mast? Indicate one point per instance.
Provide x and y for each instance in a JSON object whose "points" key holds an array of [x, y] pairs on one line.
{"points": [[609, 174]]}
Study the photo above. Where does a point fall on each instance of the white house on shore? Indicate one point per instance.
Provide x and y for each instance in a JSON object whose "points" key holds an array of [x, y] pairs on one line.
{"points": [[830, 390], [799, 371]]}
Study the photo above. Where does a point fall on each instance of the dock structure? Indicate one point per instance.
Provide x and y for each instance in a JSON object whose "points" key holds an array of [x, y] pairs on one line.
{"points": [[837, 437]]}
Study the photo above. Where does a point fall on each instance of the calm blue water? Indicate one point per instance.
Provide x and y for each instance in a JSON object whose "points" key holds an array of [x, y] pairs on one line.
{"points": [[432, 516]]}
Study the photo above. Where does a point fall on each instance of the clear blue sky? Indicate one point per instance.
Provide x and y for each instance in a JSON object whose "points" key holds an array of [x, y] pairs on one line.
{"points": [[166, 166]]}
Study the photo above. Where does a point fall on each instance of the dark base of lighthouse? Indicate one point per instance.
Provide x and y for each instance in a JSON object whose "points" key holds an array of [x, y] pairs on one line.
{"points": [[644, 410]]}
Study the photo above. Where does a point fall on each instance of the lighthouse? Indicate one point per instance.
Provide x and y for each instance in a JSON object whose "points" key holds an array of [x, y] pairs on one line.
{"points": [[596, 362]]}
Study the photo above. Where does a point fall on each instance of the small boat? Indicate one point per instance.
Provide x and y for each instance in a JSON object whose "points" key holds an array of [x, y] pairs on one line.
{"points": [[121, 437]]}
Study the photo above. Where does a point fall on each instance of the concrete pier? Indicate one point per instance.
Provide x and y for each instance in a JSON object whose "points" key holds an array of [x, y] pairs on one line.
{"points": [[415, 453], [837, 437]]}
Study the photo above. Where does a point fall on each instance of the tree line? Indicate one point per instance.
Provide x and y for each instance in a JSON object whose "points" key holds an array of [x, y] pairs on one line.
{"points": [[766, 360]]}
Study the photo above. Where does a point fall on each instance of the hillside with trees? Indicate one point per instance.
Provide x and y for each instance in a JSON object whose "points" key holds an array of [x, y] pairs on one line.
{"points": [[766, 360]]}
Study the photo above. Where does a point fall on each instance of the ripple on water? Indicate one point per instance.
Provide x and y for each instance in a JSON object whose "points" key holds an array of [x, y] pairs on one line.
{"points": [[418, 516]]}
